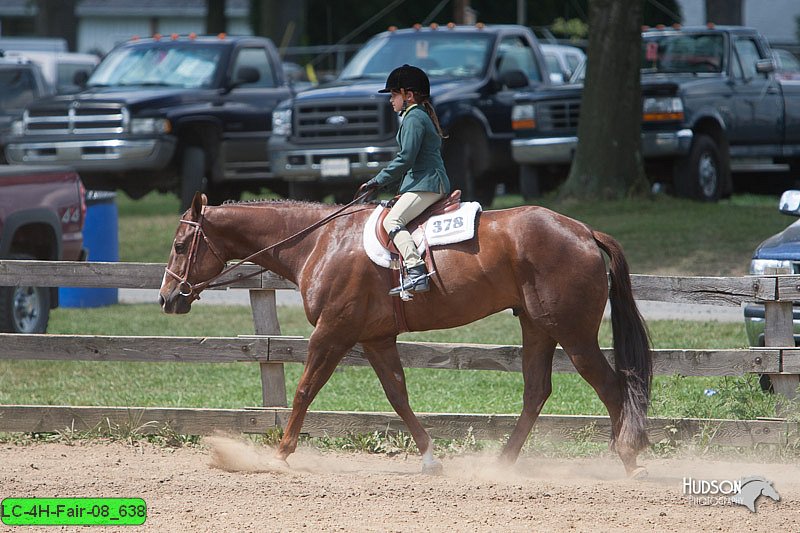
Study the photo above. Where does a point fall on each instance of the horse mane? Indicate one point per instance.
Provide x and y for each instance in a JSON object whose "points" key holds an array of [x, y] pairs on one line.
{"points": [[269, 201]]}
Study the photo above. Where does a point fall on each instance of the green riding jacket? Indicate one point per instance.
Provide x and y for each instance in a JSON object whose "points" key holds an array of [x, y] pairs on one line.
{"points": [[419, 162]]}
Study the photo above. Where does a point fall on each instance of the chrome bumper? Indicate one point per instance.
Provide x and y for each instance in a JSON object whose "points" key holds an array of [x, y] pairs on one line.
{"points": [[306, 164], [560, 150], [754, 324], [105, 155]]}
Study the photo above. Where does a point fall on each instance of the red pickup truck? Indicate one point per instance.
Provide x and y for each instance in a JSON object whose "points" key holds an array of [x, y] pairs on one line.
{"points": [[42, 211]]}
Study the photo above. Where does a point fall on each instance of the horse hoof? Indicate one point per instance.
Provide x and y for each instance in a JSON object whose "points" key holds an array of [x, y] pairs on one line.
{"points": [[433, 469], [639, 472]]}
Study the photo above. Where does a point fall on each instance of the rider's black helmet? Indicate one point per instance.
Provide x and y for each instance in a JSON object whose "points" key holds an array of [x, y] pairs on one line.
{"points": [[408, 78]]}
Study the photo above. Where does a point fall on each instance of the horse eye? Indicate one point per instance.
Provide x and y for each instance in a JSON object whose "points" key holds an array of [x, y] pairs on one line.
{"points": [[180, 247]]}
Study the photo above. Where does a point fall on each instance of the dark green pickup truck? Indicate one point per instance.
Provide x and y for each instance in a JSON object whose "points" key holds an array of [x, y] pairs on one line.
{"points": [[710, 106]]}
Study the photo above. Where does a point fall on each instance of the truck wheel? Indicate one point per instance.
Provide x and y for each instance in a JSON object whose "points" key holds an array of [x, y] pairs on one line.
{"points": [[529, 185], [465, 158], [279, 187], [701, 175], [344, 194], [308, 191], [193, 174], [217, 194], [24, 309]]}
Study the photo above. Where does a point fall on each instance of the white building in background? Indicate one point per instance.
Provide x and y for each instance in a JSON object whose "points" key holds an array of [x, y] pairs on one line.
{"points": [[775, 19], [104, 23]]}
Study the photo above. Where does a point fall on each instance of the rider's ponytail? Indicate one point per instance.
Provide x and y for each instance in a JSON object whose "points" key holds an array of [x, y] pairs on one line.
{"points": [[428, 107]]}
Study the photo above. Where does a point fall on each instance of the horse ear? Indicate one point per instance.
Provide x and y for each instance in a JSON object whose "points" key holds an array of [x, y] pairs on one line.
{"points": [[198, 202]]}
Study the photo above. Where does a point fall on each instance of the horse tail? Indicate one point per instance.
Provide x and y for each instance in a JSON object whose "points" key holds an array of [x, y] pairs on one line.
{"points": [[632, 355]]}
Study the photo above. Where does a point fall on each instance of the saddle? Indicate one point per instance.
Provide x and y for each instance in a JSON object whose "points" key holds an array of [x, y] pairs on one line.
{"points": [[445, 205]]}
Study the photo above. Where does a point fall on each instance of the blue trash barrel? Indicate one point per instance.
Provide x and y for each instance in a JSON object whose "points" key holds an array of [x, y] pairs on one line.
{"points": [[100, 237]]}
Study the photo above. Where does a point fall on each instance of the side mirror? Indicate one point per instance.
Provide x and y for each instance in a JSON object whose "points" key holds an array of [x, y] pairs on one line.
{"points": [[765, 66], [80, 78], [789, 203], [514, 79], [243, 76], [246, 75]]}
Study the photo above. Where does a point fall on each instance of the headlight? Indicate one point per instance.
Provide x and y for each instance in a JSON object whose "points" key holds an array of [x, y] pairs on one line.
{"points": [[282, 122], [759, 266], [17, 127], [523, 117], [662, 108], [150, 125]]}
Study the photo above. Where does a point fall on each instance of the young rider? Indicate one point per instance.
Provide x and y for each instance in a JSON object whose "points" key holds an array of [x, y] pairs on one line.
{"points": [[418, 167]]}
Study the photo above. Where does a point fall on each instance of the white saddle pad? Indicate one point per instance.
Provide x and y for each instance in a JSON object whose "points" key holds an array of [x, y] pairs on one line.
{"points": [[448, 228]]}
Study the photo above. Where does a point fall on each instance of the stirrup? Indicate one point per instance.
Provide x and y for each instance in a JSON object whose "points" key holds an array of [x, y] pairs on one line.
{"points": [[415, 281]]}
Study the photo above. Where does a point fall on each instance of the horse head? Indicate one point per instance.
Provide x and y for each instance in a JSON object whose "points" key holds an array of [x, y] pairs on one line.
{"points": [[193, 261]]}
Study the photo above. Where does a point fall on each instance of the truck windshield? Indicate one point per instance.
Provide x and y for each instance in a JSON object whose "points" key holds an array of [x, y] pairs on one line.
{"points": [[177, 66], [682, 52], [440, 55]]}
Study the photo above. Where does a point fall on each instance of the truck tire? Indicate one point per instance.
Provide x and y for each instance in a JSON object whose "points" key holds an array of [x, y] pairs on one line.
{"points": [[306, 191], [466, 157], [529, 183], [701, 175], [24, 309], [193, 174]]}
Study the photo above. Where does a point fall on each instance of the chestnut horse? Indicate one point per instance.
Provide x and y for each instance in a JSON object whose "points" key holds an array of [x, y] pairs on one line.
{"points": [[546, 267]]}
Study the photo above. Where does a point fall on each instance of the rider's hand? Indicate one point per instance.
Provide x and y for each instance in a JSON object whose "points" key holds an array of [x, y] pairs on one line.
{"points": [[370, 187]]}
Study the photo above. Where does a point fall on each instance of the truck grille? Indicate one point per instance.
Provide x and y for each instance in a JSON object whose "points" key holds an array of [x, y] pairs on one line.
{"points": [[76, 118], [554, 116], [343, 121]]}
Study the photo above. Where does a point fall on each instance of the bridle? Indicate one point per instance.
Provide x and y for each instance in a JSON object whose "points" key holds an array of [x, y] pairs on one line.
{"points": [[183, 282], [194, 289]]}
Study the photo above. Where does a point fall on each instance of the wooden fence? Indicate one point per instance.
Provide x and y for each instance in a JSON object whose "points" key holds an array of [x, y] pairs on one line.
{"points": [[780, 359]]}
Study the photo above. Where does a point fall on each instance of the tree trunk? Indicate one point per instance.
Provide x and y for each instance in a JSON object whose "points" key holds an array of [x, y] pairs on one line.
{"points": [[216, 21], [56, 18], [608, 160], [281, 21], [724, 12]]}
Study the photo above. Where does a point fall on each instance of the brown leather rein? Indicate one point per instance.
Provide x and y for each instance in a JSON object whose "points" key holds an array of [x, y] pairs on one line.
{"points": [[194, 289]]}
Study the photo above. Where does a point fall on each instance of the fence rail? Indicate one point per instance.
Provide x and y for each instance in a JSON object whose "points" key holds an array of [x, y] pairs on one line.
{"points": [[781, 360]]}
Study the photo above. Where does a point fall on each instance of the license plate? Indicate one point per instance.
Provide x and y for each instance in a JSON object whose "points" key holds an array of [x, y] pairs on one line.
{"points": [[339, 166]]}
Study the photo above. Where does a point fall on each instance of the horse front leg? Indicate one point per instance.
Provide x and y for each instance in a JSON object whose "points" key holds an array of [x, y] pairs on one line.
{"points": [[385, 360], [537, 367], [324, 354]]}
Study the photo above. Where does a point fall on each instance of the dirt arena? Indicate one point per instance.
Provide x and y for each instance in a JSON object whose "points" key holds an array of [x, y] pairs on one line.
{"points": [[192, 489]]}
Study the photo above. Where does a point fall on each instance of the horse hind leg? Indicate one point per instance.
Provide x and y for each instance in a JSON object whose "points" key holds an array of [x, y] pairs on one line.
{"points": [[385, 360], [537, 365], [592, 365]]}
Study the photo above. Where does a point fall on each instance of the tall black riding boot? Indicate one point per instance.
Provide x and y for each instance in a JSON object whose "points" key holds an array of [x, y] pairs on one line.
{"points": [[416, 281]]}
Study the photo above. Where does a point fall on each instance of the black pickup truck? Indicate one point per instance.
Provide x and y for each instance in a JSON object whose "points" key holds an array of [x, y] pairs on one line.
{"points": [[334, 137], [710, 106], [173, 114]]}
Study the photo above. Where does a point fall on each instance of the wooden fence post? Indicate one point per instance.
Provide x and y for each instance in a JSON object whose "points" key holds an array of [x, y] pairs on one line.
{"points": [[265, 320], [779, 332]]}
